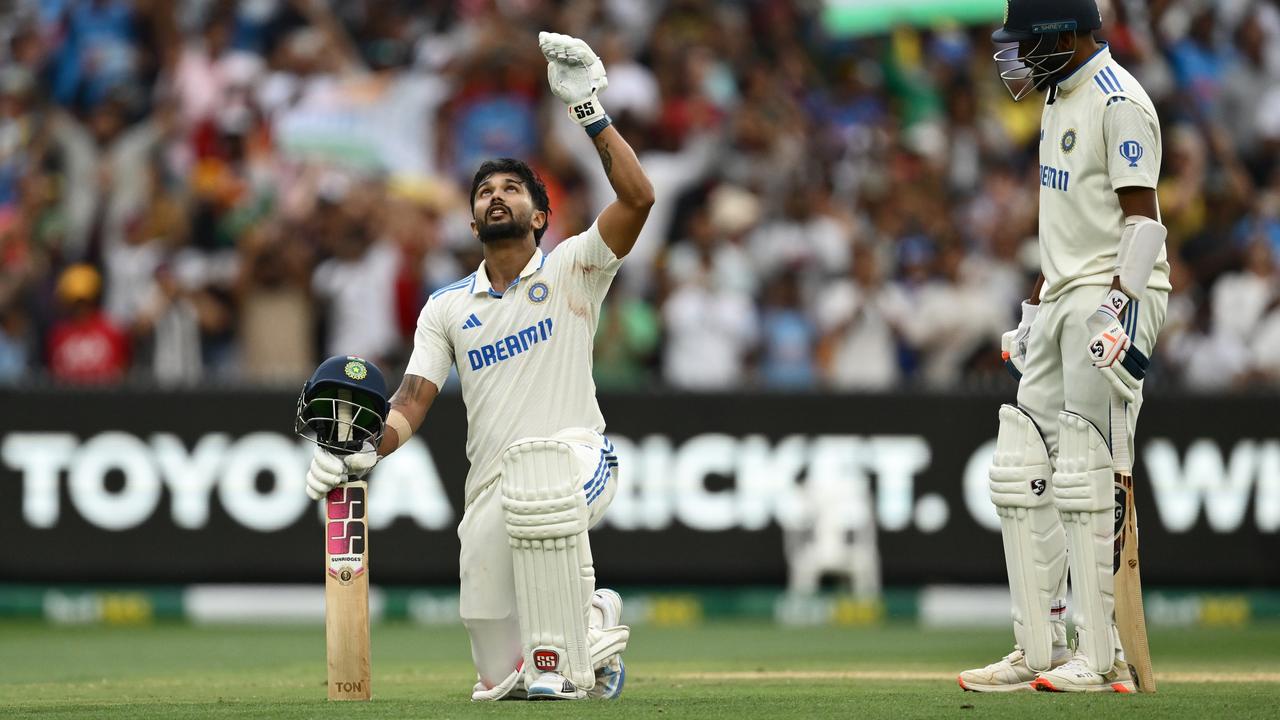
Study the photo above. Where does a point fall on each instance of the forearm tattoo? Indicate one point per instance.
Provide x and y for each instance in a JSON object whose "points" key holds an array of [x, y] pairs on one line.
{"points": [[606, 158], [408, 391]]}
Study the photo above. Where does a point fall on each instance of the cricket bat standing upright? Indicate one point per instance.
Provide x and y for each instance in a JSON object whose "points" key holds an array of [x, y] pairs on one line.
{"points": [[346, 588], [1131, 621]]}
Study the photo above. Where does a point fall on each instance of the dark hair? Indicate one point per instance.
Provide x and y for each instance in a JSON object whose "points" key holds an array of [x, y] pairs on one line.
{"points": [[537, 189]]}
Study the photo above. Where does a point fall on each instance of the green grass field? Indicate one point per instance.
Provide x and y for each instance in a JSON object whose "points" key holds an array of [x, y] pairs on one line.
{"points": [[709, 671]]}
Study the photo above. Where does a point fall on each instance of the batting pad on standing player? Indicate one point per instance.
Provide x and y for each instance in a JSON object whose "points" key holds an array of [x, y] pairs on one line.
{"points": [[1084, 492], [547, 520], [1035, 548]]}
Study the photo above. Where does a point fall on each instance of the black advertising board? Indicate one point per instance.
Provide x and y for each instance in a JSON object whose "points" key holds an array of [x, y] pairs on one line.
{"points": [[148, 486]]}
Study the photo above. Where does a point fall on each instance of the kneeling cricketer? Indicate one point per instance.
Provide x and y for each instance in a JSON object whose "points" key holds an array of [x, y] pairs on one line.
{"points": [[520, 331]]}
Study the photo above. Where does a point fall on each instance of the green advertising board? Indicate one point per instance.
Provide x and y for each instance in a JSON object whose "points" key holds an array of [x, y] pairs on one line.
{"points": [[845, 18]]}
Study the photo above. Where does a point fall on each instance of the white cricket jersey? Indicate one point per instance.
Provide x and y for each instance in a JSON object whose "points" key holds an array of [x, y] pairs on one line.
{"points": [[523, 354], [1099, 133]]}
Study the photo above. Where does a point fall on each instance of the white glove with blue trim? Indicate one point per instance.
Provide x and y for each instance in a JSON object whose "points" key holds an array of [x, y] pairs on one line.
{"points": [[576, 75]]}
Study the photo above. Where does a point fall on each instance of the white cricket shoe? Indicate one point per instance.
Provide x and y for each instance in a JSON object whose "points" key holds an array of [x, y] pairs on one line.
{"points": [[1077, 676], [611, 676], [1010, 673], [554, 686]]}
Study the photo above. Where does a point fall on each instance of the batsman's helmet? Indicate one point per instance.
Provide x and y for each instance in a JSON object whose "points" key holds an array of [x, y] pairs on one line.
{"points": [[1039, 24], [343, 405]]}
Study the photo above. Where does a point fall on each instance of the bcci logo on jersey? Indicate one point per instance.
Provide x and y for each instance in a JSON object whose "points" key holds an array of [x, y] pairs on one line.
{"points": [[1131, 150], [539, 292], [1069, 141]]}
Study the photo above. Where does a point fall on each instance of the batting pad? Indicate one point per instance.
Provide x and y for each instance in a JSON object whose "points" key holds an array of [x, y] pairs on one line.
{"points": [[1035, 549], [1084, 491], [547, 521]]}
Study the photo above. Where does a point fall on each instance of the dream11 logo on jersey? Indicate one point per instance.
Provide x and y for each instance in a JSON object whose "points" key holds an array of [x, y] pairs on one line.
{"points": [[1131, 150]]}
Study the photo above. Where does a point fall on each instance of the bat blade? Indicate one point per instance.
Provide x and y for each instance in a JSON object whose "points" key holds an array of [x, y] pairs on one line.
{"points": [[1131, 619], [346, 583], [346, 592]]}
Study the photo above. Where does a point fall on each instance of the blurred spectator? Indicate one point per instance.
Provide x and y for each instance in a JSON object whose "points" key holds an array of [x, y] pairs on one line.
{"points": [[953, 317], [711, 331], [1199, 65], [1180, 316], [1264, 348], [1211, 360], [714, 243], [99, 50], [276, 312], [1245, 86], [859, 317], [787, 336], [14, 345], [411, 222], [84, 345], [1181, 190], [802, 236], [20, 133], [170, 318], [357, 284], [1240, 299], [625, 343]]}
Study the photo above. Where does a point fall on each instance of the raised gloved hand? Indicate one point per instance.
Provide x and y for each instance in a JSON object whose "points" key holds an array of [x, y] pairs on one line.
{"points": [[1111, 350], [576, 76], [1013, 344], [329, 471]]}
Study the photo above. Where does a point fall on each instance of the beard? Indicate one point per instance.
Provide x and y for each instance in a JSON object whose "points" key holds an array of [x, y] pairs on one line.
{"points": [[510, 227]]}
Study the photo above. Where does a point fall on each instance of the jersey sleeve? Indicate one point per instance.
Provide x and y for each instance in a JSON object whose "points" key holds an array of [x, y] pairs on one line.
{"points": [[1132, 136], [589, 262], [432, 349]]}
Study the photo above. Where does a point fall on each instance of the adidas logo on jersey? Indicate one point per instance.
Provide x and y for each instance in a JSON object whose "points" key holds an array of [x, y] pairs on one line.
{"points": [[472, 322]]}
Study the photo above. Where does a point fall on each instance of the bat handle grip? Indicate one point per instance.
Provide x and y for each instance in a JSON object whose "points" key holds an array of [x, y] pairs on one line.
{"points": [[1120, 456]]}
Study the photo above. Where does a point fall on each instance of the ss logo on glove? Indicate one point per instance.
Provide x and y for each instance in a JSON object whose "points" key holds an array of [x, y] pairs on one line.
{"points": [[586, 109]]}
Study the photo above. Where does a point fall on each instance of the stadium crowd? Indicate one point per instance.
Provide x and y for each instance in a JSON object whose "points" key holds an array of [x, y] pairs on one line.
{"points": [[230, 191]]}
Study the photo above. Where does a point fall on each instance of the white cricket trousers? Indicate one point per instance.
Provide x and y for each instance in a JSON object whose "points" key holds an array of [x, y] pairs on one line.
{"points": [[1058, 374]]}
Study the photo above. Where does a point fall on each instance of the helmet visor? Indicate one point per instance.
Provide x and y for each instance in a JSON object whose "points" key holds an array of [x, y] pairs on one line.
{"points": [[1030, 65], [339, 419]]}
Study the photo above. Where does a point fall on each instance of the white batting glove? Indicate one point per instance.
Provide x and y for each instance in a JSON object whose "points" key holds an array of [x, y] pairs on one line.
{"points": [[576, 76], [1013, 344], [1110, 344], [329, 471]]}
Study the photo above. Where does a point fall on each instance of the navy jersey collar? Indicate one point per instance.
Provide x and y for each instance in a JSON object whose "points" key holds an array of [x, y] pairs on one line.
{"points": [[1086, 70], [480, 283]]}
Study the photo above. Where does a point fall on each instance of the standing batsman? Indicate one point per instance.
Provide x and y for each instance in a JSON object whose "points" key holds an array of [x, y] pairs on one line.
{"points": [[1080, 350], [520, 329]]}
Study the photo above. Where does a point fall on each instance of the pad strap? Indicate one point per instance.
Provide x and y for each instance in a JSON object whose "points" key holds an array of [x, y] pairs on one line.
{"points": [[1135, 362]]}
